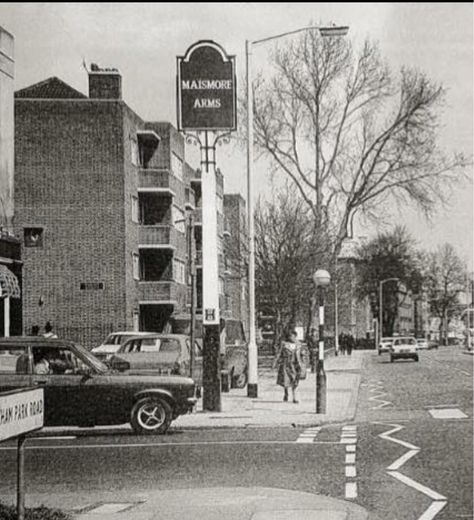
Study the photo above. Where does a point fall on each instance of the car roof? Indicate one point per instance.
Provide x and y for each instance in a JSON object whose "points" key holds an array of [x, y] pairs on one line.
{"points": [[131, 333], [160, 335], [32, 340]]}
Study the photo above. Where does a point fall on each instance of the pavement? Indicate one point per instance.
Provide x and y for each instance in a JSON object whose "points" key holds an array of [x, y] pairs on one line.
{"points": [[241, 503]]}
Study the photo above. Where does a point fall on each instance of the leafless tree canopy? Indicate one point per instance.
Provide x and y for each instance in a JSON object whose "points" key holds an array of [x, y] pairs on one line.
{"points": [[350, 134]]}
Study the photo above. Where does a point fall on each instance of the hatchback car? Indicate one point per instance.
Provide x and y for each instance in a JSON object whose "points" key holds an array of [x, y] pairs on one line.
{"points": [[79, 390], [113, 342], [159, 353], [403, 348], [384, 345], [422, 344], [234, 346]]}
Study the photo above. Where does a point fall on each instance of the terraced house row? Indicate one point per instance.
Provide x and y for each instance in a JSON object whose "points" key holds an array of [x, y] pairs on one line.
{"points": [[102, 200]]}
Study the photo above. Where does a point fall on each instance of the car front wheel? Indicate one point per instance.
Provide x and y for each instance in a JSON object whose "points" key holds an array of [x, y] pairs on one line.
{"points": [[151, 415]]}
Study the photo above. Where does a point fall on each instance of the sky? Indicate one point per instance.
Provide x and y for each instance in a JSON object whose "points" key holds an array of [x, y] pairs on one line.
{"points": [[143, 40]]}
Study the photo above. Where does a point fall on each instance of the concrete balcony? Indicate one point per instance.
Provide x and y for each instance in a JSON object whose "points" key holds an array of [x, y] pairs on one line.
{"points": [[156, 180], [162, 292], [161, 237]]}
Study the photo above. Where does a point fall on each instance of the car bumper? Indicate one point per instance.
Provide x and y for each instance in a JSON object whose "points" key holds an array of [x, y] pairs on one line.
{"points": [[402, 355]]}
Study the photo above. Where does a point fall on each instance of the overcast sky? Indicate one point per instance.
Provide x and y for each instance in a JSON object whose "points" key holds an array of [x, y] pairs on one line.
{"points": [[143, 40]]}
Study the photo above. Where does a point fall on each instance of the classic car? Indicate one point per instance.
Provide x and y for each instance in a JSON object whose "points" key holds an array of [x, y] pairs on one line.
{"points": [[80, 390]]}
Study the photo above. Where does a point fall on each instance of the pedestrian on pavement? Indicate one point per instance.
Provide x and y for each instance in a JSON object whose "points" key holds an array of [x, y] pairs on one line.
{"points": [[35, 330], [343, 343], [48, 331], [288, 360], [350, 344]]}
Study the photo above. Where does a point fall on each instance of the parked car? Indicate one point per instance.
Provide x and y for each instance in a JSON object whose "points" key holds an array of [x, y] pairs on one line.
{"points": [[384, 345], [403, 348], [234, 346], [159, 353], [422, 344], [80, 390], [113, 342]]}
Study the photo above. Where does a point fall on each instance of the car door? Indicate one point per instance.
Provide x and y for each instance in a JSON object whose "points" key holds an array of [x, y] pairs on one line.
{"points": [[15, 366], [68, 399]]}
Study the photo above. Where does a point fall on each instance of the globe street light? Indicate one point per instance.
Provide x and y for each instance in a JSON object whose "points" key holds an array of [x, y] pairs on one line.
{"points": [[321, 280], [252, 386], [381, 305]]}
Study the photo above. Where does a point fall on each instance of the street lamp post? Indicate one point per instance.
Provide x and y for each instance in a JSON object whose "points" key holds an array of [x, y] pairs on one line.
{"points": [[252, 386], [381, 305], [321, 280]]}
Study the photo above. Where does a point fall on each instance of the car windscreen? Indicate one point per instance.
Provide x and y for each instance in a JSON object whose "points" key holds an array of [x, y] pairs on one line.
{"points": [[113, 339], [405, 341]]}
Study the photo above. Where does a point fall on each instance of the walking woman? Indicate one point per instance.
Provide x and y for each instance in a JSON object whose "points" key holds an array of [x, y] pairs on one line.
{"points": [[288, 360]]}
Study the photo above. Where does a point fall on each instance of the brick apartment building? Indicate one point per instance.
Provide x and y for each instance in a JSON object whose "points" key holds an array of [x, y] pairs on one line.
{"points": [[235, 258], [101, 199]]}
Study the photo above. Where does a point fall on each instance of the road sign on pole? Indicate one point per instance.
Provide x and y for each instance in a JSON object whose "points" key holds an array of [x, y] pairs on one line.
{"points": [[21, 412], [206, 108]]}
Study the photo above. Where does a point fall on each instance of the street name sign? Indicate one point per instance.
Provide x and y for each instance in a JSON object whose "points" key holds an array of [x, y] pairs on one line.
{"points": [[206, 88], [21, 411]]}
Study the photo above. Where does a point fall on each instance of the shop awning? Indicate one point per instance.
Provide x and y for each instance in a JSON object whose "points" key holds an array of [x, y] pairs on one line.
{"points": [[9, 285]]}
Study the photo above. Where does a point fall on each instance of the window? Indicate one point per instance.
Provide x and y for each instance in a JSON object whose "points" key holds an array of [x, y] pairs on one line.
{"points": [[135, 209], [33, 237], [136, 266], [179, 271], [13, 360], [150, 345], [177, 166], [178, 219], [56, 361], [134, 152]]}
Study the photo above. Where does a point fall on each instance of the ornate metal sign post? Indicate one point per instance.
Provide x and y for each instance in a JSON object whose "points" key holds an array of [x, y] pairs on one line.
{"points": [[206, 114]]}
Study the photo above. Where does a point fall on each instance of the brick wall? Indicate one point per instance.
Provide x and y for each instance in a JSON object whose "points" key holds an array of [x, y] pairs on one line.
{"points": [[69, 180]]}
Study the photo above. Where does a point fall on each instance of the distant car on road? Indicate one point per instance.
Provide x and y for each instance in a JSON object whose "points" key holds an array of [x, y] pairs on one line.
{"points": [[80, 390], [403, 348], [113, 342], [422, 344], [384, 345]]}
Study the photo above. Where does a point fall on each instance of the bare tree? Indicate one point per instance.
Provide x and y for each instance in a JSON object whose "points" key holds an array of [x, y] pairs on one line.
{"points": [[388, 255], [445, 280], [287, 251], [348, 134]]}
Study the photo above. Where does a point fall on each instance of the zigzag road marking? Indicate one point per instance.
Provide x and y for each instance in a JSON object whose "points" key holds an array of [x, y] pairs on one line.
{"points": [[439, 501], [383, 403]]}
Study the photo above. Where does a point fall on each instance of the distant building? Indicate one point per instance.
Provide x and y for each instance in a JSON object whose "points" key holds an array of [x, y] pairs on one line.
{"points": [[235, 258], [10, 247], [101, 199]]}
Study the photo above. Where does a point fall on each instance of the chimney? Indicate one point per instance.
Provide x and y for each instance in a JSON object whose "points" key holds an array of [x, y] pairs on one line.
{"points": [[104, 83]]}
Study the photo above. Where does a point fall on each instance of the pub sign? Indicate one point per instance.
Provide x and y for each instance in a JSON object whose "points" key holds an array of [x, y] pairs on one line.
{"points": [[206, 88]]}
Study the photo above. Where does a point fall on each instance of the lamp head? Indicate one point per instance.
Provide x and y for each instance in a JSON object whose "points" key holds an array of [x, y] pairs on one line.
{"points": [[321, 278]]}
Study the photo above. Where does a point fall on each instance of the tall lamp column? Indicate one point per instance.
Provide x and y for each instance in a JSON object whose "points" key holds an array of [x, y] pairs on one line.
{"points": [[321, 280]]}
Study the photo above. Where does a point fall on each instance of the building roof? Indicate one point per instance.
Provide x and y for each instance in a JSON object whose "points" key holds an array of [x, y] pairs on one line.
{"points": [[51, 88]]}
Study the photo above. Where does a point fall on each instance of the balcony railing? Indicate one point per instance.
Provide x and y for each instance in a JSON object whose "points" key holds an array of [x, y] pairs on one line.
{"points": [[155, 179], [161, 235], [162, 292]]}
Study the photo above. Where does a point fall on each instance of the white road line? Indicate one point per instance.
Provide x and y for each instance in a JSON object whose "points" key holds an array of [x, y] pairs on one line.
{"points": [[404, 458], [349, 428], [308, 440], [350, 448], [386, 435], [350, 458], [416, 485], [153, 445], [348, 441], [351, 489], [433, 510], [351, 471]]}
